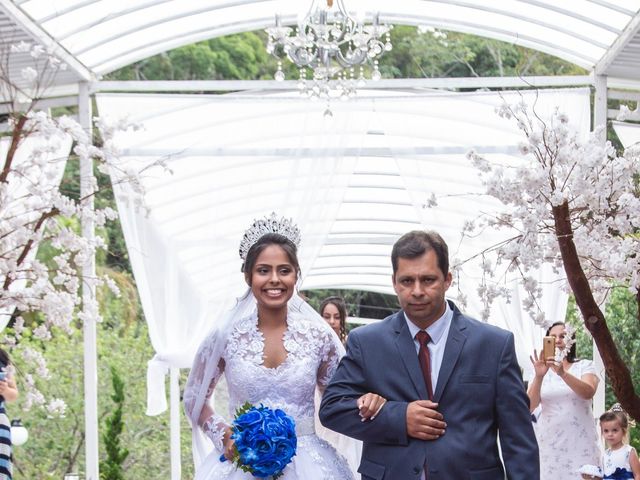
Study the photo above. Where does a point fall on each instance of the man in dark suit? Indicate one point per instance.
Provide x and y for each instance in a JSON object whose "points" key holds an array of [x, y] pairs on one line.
{"points": [[439, 403]]}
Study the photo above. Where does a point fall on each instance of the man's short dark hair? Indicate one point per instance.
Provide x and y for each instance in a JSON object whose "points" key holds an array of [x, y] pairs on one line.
{"points": [[418, 242]]}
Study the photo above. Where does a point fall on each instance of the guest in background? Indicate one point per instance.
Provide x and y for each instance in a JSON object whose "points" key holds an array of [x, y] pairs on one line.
{"points": [[620, 459], [8, 393], [334, 311], [563, 387]]}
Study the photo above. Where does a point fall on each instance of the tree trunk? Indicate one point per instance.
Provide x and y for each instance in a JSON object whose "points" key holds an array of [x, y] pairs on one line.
{"points": [[16, 137], [617, 371]]}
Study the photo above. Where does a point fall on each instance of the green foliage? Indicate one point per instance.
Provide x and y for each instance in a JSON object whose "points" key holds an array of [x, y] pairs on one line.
{"points": [[359, 303], [111, 467], [622, 318], [441, 53], [240, 57]]}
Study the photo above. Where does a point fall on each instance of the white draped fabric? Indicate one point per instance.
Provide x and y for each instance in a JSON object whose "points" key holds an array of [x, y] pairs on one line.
{"points": [[353, 181], [46, 174], [628, 133]]}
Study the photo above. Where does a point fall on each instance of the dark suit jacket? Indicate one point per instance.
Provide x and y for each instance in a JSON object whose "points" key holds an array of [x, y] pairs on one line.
{"points": [[479, 391]]}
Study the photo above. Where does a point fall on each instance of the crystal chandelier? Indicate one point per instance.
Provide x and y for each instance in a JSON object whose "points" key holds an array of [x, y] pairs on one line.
{"points": [[331, 46]]}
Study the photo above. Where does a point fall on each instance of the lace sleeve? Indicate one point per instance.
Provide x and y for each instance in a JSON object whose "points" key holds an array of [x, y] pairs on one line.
{"points": [[205, 373], [331, 352]]}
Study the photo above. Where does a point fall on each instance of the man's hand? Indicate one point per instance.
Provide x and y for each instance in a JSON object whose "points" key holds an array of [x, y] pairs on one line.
{"points": [[369, 405], [424, 422]]}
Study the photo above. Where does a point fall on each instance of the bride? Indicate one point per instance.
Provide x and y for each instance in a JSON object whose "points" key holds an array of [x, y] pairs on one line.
{"points": [[273, 349]]}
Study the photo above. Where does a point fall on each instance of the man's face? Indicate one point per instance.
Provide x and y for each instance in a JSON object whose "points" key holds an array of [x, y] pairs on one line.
{"points": [[420, 286]]}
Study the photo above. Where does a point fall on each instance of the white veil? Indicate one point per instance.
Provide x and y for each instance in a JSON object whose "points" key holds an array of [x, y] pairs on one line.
{"points": [[208, 361]]}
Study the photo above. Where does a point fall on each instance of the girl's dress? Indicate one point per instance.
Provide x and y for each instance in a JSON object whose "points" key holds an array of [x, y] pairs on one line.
{"points": [[6, 466], [616, 463], [566, 429], [311, 361]]}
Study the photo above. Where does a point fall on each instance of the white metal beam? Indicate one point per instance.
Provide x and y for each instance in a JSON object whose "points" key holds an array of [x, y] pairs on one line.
{"points": [[630, 31], [88, 296], [175, 415], [391, 84]]}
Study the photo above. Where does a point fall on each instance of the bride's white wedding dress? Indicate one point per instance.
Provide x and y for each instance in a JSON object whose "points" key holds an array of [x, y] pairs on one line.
{"points": [[312, 357]]}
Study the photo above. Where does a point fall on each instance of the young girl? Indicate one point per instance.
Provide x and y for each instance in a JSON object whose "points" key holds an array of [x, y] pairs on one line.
{"points": [[620, 460]]}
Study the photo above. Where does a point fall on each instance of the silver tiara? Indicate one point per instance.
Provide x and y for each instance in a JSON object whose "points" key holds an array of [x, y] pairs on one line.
{"points": [[272, 224]]}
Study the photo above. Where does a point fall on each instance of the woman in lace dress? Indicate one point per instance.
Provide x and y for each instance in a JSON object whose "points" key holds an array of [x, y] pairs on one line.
{"points": [[273, 349], [566, 429]]}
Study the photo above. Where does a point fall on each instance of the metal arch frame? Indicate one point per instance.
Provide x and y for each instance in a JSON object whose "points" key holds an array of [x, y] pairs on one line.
{"points": [[33, 30], [252, 23], [627, 35], [446, 23]]}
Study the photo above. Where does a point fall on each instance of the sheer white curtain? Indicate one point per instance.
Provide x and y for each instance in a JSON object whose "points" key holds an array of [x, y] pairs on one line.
{"points": [[227, 164], [628, 133]]}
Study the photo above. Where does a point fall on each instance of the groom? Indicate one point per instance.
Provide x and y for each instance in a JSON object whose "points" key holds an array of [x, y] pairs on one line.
{"points": [[448, 395]]}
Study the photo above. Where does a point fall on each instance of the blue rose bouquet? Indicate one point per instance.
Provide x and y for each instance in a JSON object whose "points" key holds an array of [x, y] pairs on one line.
{"points": [[265, 440]]}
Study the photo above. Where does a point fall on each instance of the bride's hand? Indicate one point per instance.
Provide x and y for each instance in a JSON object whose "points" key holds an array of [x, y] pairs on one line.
{"points": [[369, 405], [229, 444]]}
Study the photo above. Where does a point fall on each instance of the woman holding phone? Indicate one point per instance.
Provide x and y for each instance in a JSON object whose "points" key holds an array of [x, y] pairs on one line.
{"points": [[563, 387]]}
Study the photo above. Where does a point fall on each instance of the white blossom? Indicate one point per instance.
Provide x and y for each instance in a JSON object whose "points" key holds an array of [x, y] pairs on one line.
{"points": [[56, 408], [29, 74], [560, 168]]}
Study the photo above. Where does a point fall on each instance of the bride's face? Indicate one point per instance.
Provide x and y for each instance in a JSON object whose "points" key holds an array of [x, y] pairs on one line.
{"points": [[272, 278]]}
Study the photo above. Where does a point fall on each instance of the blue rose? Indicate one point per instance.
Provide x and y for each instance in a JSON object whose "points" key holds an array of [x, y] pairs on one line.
{"points": [[248, 420]]}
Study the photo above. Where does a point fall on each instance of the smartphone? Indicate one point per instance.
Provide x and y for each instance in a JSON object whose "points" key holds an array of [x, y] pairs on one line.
{"points": [[548, 347]]}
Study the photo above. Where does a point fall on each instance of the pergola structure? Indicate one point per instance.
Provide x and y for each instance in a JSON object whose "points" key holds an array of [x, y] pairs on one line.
{"points": [[95, 37]]}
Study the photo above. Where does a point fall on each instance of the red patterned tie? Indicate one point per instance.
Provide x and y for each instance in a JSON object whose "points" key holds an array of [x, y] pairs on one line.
{"points": [[425, 360]]}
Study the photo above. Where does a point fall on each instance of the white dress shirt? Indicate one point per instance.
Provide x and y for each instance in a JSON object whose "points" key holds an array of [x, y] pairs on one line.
{"points": [[438, 331]]}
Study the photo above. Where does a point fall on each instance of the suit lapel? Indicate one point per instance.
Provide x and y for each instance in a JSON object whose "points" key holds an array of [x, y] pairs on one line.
{"points": [[407, 351], [453, 348]]}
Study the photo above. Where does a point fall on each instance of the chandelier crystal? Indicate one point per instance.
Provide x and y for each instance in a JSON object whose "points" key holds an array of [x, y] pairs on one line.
{"points": [[331, 47]]}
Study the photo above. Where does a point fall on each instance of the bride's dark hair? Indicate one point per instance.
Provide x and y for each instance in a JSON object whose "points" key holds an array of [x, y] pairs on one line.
{"points": [[270, 239]]}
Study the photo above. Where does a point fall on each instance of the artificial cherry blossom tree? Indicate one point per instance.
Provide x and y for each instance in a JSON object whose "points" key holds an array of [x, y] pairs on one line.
{"points": [[34, 211], [576, 205]]}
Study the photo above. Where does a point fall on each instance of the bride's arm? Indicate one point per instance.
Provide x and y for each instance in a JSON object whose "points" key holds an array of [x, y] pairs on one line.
{"points": [[203, 378]]}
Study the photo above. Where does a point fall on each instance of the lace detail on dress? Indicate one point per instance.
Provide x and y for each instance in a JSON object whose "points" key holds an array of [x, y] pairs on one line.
{"points": [[214, 428], [313, 354], [291, 385]]}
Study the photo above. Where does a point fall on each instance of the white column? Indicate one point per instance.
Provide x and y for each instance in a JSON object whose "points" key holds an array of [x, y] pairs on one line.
{"points": [[600, 121], [85, 115], [600, 105], [174, 387]]}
